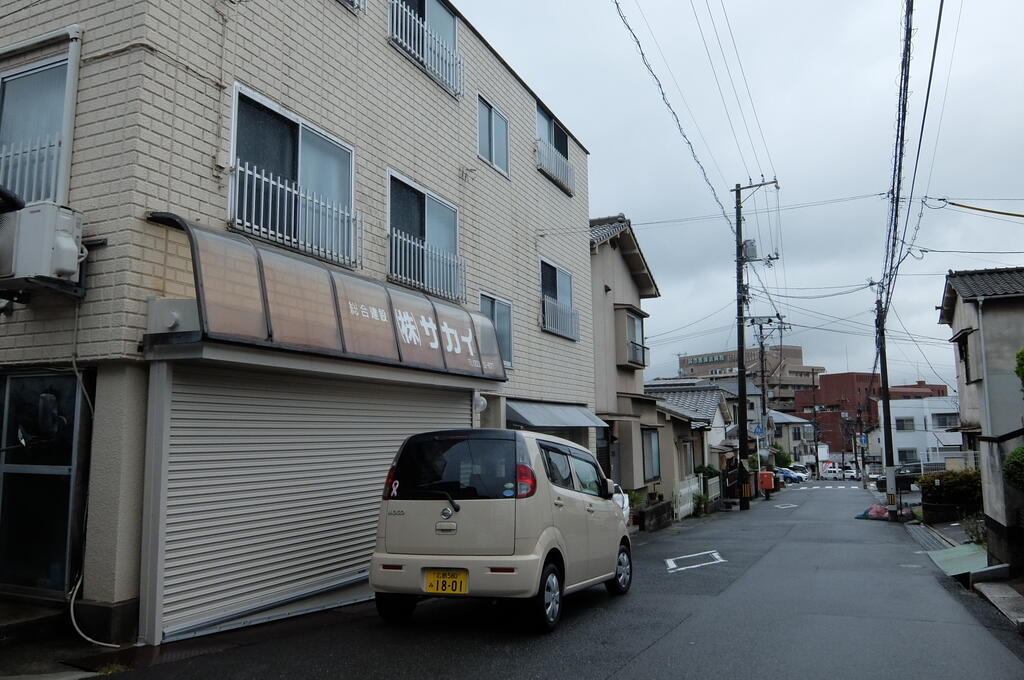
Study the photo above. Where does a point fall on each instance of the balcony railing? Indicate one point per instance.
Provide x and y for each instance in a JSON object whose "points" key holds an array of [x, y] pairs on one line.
{"points": [[29, 168], [637, 353], [552, 163], [561, 319], [279, 210], [425, 47], [420, 265]]}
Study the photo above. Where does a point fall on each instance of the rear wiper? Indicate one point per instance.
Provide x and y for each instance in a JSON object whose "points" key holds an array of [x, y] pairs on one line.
{"points": [[455, 506]]}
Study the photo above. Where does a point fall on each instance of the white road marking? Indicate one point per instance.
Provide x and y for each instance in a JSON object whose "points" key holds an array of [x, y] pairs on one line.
{"points": [[911, 566], [815, 487], [786, 505], [711, 556], [840, 487], [828, 487]]}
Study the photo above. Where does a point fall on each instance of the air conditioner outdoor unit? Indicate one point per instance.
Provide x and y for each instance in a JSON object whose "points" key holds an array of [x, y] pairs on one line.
{"points": [[42, 240]]}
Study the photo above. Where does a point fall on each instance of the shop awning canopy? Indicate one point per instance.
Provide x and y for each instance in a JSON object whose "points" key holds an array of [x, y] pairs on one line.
{"points": [[251, 293], [536, 414]]}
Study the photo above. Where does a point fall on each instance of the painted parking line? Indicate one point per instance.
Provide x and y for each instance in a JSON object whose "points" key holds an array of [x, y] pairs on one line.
{"points": [[701, 559], [786, 505]]}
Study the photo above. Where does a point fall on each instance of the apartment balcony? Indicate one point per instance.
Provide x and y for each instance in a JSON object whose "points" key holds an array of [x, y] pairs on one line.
{"points": [[560, 319], [418, 264], [434, 55], [278, 210], [29, 168], [552, 163]]}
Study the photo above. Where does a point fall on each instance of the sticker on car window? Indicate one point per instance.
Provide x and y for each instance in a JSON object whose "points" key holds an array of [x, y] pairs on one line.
{"points": [[508, 493], [394, 489]]}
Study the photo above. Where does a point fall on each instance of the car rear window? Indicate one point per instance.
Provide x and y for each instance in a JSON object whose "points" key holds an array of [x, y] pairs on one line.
{"points": [[463, 468]]}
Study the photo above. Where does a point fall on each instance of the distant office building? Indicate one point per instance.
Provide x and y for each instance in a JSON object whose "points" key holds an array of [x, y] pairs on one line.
{"points": [[784, 370]]}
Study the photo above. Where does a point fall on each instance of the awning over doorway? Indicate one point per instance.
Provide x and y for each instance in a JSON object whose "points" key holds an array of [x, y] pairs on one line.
{"points": [[537, 414]]}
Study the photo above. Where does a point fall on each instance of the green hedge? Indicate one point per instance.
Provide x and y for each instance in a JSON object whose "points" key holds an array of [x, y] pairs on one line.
{"points": [[1013, 468], [955, 488], [707, 471]]}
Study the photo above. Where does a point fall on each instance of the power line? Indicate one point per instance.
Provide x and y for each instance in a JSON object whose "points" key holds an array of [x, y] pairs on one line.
{"points": [[675, 117], [922, 352], [732, 84], [826, 295], [721, 94], [749, 96], [694, 323], [795, 206], [671, 73]]}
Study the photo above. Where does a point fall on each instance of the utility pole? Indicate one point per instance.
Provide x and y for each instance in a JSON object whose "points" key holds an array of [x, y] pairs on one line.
{"points": [[761, 322], [741, 364], [887, 460]]}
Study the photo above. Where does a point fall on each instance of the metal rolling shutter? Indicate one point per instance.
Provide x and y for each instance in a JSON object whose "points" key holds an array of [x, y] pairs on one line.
{"points": [[274, 483]]}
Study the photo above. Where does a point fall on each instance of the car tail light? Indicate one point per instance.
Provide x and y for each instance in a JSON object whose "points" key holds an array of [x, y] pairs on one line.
{"points": [[526, 481], [389, 484]]}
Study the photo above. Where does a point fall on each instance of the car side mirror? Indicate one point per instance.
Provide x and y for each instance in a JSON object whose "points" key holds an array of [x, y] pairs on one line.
{"points": [[609, 488]]}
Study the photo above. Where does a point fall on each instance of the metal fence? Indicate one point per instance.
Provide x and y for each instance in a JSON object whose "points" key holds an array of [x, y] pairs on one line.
{"points": [[440, 59], [421, 265], [561, 319], [556, 166], [279, 210], [29, 168], [685, 489], [713, 487], [637, 353]]}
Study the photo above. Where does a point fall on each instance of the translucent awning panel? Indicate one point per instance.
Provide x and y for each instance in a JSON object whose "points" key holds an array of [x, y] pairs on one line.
{"points": [[366, 319], [228, 280], [300, 301]]}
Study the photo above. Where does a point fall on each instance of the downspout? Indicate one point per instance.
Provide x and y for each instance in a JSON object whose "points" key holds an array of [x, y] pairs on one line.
{"points": [[984, 368], [73, 34]]}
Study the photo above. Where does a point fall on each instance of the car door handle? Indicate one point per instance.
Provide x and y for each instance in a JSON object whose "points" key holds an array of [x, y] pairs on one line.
{"points": [[559, 502]]}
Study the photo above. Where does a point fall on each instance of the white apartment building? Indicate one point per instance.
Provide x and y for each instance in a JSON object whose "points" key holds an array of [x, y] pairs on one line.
{"points": [[924, 430], [309, 229]]}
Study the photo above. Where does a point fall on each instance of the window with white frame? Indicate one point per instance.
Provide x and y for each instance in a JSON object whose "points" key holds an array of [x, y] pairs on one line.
{"points": [[500, 313], [292, 183], [559, 316], [636, 352], [492, 135], [941, 421], [907, 455], [905, 424], [426, 32], [31, 125], [652, 454], [424, 241], [553, 151]]}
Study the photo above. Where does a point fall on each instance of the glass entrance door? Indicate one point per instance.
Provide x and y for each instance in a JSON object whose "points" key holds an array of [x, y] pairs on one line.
{"points": [[38, 469]]}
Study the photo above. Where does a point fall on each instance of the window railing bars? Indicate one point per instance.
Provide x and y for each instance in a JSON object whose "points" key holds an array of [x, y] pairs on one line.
{"points": [[418, 264], [425, 47], [29, 168], [560, 319], [556, 166]]}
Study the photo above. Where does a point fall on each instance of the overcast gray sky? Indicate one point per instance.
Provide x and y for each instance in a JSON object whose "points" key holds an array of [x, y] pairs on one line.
{"points": [[823, 77]]}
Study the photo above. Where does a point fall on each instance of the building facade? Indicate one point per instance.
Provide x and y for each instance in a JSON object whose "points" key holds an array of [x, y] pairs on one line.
{"points": [[924, 431], [784, 371], [296, 253], [985, 312], [620, 281]]}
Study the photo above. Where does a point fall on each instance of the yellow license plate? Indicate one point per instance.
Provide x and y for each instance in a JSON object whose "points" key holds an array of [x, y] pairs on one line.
{"points": [[447, 581]]}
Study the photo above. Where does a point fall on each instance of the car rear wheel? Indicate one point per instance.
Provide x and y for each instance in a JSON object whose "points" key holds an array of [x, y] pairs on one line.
{"points": [[395, 608], [547, 603], [623, 579]]}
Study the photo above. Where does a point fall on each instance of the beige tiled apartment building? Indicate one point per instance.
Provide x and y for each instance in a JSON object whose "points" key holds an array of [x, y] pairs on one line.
{"points": [[229, 440]]}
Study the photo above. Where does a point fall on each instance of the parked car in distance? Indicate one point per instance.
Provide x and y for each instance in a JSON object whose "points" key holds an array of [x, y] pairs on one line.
{"points": [[787, 475], [496, 514], [840, 474], [906, 477], [803, 469]]}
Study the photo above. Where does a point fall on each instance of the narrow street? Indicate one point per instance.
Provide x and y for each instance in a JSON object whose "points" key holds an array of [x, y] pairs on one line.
{"points": [[799, 589]]}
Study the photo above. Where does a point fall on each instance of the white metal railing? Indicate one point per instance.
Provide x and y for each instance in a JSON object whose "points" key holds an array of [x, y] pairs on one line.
{"points": [[637, 353], [412, 34], [561, 319], [714, 487], [685, 490], [354, 4], [429, 268], [279, 210], [29, 168], [556, 166]]}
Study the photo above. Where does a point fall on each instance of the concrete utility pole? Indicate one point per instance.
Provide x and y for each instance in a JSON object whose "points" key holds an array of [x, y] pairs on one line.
{"points": [[761, 322], [741, 363], [887, 460]]}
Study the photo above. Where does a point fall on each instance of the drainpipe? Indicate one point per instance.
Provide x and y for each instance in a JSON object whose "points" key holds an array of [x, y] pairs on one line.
{"points": [[984, 368], [73, 34]]}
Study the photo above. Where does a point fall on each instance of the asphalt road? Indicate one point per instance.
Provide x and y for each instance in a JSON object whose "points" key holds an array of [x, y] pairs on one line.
{"points": [[802, 592]]}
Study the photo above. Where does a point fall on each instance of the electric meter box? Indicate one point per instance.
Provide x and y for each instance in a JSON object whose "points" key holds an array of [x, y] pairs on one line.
{"points": [[40, 240]]}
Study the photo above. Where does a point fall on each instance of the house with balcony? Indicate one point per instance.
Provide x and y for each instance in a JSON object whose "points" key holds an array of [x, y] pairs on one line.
{"points": [[984, 309], [629, 448], [266, 263]]}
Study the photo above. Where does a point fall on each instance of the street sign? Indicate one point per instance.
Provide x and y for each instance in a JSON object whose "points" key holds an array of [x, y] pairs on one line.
{"points": [[758, 430], [863, 440]]}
